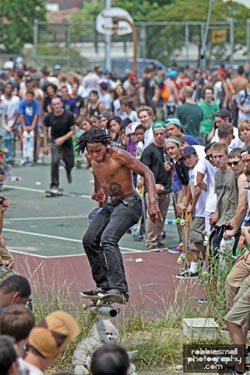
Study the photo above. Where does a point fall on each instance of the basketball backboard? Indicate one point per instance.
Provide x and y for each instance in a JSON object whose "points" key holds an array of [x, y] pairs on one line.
{"points": [[105, 22]]}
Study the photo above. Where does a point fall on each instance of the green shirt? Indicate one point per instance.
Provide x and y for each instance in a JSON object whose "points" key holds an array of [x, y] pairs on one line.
{"points": [[209, 111]]}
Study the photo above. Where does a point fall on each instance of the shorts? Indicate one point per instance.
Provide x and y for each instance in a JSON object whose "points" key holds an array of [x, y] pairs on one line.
{"points": [[240, 312], [196, 241], [6, 257]]}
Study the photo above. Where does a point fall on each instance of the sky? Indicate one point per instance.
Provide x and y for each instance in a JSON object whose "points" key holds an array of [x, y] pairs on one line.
{"points": [[244, 2]]}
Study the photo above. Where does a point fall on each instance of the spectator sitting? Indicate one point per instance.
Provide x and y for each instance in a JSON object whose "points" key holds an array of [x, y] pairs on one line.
{"points": [[14, 290], [8, 356], [17, 321], [110, 359], [48, 340]]}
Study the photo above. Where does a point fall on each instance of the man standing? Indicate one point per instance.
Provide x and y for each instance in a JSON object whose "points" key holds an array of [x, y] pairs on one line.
{"points": [[62, 127], [29, 111], [223, 116], [239, 82], [226, 191], [113, 178], [153, 157], [209, 108], [12, 102], [146, 117], [190, 114]]}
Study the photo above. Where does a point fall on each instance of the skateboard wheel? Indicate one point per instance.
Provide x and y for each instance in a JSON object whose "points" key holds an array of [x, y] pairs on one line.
{"points": [[99, 302], [182, 222], [179, 260], [205, 243], [177, 221], [84, 306]]}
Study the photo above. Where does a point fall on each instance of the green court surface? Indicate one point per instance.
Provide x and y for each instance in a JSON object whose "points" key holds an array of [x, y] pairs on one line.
{"points": [[51, 227]]}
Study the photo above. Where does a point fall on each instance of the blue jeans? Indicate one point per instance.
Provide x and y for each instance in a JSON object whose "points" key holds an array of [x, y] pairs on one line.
{"points": [[100, 242]]}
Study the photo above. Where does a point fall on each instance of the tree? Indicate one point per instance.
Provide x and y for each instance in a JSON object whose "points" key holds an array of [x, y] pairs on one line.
{"points": [[195, 10], [16, 23]]}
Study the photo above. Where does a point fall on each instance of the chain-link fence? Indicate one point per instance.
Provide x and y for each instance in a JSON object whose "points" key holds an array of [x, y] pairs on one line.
{"points": [[77, 46]]}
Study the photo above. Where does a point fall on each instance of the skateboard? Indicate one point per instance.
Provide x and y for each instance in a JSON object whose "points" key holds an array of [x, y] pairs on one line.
{"points": [[9, 149], [185, 223], [28, 146], [50, 194], [103, 304]]}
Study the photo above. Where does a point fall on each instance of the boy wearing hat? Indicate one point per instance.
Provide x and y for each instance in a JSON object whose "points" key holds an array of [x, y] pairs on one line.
{"points": [[194, 202], [48, 340], [174, 128], [153, 157]]}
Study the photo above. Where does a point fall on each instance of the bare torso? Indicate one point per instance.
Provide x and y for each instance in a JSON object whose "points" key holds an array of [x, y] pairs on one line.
{"points": [[114, 177]]}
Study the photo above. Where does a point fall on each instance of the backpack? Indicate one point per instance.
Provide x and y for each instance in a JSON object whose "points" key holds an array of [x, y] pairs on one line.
{"points": [[245, 97], [165, 94]]}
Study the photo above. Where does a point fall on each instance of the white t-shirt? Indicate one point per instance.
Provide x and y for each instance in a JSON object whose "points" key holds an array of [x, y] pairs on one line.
{"points": [[3, 111], [148, 137], [201, 202], [206, 168], [28, 369], [106, 100], [12, 106], [236, 142]]}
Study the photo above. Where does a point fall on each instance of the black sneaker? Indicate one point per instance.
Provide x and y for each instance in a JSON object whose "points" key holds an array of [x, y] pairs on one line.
{"points": [[160, 244], [92, 292], [69, 177], [113, 292], [186, 274]]}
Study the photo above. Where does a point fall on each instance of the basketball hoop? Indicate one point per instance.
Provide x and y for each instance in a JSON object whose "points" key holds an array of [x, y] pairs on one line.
{"points": [[106, 24]]}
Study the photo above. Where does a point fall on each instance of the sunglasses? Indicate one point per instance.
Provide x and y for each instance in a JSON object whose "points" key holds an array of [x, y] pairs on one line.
{"points": [[234, 163]]}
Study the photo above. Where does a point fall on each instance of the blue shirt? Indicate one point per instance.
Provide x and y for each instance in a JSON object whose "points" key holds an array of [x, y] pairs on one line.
{"points": [[29, 111]]}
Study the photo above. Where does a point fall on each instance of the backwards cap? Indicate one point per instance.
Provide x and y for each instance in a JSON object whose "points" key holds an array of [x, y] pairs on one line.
{"points": [[158, 125], [173, 121], [53, 334]]}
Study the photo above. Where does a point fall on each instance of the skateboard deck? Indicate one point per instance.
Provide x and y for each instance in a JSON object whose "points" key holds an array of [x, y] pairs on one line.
{"points": [[185, 223], [9, 147], [50, 194], [28, 146], [107, 299]]}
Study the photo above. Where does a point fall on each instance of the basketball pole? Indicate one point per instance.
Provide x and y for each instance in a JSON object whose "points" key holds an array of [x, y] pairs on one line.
{"points": [[201, 64], [108, 42], [204, 41]]}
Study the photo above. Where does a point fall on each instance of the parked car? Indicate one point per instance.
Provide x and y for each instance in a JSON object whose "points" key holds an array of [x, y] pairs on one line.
{"points": [[121, 66]]}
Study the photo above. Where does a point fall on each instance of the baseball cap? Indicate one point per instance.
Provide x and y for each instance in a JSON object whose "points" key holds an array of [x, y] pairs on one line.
{"points": [[52, 334], [173, 121], [186, 151], [57, 67], [130, 129], [104, 85], [223, 113], [158, 125], [53, 81], [173, 74]]}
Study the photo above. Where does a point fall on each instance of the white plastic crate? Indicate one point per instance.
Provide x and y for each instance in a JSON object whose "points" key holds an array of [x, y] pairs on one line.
{"points": [[197, 329]]}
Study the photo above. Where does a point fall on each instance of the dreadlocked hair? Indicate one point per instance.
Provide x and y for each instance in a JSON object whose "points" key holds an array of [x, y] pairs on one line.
{"points": [[93, 135]]}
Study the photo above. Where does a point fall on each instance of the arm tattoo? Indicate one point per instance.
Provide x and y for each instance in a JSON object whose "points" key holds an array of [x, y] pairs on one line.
{"points": [[115, 188]]}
